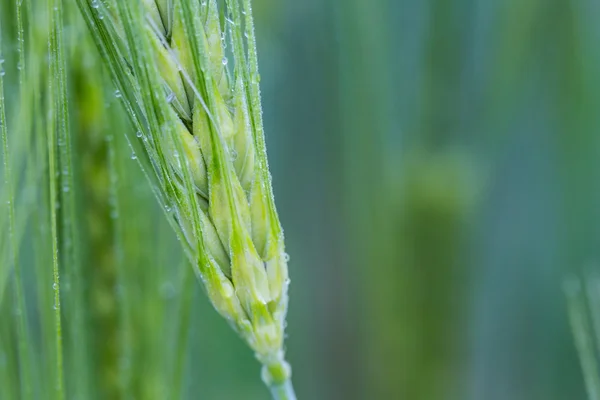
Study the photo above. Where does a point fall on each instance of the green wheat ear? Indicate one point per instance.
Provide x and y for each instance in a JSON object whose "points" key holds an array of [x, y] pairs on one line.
{"points": [[201, 143]]}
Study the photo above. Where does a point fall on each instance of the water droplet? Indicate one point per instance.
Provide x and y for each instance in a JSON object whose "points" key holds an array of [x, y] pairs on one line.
{"points": [[233, 154], [66, 188], [2, 60], [117, 93], [224, 61], [19, 66], [170, 97], [168, 208], [95, 4], [55, 286], [286, 257], [133, 156], [175, 154], [2, 72]]}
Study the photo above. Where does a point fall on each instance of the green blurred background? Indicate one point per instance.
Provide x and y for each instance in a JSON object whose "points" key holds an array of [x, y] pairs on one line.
{"points": [[436, 167], [437, 170]]}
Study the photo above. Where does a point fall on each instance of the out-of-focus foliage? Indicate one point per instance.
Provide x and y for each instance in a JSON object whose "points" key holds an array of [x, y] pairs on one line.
{"points": [[436, 166]]}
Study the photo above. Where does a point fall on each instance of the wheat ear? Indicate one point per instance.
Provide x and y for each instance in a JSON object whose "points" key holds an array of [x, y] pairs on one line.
{"points": [[201, 141]]}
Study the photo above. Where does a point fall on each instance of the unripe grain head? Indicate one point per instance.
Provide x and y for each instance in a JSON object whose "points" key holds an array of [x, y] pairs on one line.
{"points": [[204, 147]]}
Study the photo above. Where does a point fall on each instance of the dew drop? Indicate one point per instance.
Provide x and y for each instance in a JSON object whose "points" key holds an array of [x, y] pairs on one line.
{"points": [[224, 61], [170, 97], [133, 156], [117, 93], [2, 72], [139, 134], [54, 286], [286, 257]]}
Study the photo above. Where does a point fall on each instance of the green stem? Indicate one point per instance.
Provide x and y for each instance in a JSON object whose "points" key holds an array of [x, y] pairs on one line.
{"points": [[283, 391], [276, 374]]}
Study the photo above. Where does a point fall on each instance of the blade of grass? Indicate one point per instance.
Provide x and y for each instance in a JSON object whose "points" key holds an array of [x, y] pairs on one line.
{"points": [[44, 229], [23, 342], [56, 128]]}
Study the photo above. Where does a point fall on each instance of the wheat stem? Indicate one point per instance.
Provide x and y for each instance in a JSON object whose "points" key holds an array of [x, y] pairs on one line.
{"points": [[276, 375], [284, 391]]}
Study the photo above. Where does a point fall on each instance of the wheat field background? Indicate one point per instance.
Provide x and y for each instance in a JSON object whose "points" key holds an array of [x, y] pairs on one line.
{"points": [[436, 169]]}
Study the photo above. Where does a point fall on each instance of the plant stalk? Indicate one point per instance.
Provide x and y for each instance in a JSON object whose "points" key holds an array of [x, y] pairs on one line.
{"points": [[277, 376], [284, 391]]}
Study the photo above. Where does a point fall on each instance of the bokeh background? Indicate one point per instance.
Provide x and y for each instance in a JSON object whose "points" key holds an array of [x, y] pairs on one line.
{"points": [[436, 167]]}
